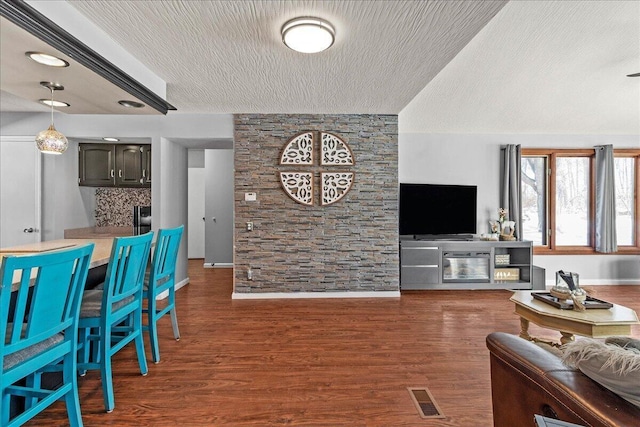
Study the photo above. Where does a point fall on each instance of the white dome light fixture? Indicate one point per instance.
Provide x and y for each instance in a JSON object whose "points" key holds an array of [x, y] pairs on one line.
{"points": [[308, 35]]}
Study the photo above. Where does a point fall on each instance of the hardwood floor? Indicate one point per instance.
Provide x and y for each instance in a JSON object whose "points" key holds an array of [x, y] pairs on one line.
{"points": [[324, 362]]}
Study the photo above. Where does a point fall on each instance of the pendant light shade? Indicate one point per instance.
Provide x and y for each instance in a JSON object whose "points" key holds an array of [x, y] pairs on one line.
{"points": [[50, 141]]}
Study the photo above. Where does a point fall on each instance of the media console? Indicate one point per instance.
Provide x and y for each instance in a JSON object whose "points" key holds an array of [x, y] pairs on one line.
{"points": [[467, 264]]}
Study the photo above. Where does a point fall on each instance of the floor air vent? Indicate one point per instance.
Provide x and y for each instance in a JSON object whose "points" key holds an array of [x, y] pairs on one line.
{"points": [[425, 403]]}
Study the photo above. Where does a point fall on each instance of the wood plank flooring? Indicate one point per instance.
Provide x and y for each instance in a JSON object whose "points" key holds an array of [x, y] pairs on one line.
{"points": [[325, 362]]}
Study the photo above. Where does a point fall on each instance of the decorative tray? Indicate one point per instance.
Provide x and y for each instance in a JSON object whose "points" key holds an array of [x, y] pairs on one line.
{"points": [[590, 302]]}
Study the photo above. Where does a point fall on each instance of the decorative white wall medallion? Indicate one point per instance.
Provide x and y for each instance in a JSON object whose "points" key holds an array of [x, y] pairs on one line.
{"points": [[298, 186], [298, 150], [335, 154], [335, 185], [334, 151]]}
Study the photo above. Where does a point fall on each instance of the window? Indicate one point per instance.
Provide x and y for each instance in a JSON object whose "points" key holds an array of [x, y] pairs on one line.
{"points": [[572, 201], [558, 206], [534, 199]]}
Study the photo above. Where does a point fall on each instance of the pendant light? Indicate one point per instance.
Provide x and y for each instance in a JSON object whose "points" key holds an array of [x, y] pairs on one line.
{"points": [[51, 141]]}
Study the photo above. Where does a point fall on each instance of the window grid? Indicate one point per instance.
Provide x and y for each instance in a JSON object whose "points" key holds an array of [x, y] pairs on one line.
{"points": [[550, 157]]}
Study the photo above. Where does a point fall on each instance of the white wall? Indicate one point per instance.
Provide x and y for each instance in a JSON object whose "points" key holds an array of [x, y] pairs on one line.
{"points": [[475, 160], [171, 201], [66, 205]]}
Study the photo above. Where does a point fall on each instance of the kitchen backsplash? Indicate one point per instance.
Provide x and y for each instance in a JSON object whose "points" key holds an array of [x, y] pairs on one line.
{"points": [[114, 206]]}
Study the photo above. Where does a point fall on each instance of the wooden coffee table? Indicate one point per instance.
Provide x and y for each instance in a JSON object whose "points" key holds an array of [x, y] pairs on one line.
{"points": [[595, 322]]}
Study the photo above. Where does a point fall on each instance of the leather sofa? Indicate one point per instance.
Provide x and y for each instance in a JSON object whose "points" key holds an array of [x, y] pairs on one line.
{"points": [[527, 380]]}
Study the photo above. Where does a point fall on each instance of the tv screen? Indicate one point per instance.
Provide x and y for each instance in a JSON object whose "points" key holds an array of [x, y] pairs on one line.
{"points": [[430, 209]]}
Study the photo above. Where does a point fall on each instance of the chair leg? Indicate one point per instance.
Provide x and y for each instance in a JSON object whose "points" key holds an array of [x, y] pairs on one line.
{"points": [[153, 329], [174, 317], [139, 339], [83, 352], [5, 408], [34, 380], [72, 399], [95, 347], [106, 371]]}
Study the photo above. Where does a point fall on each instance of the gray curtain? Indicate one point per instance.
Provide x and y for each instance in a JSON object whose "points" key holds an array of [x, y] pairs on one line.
{"points": [[510, 195], [605, 200]]}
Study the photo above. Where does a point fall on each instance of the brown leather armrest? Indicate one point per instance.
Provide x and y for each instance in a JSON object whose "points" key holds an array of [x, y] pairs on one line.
{"points": [[528, 380]]}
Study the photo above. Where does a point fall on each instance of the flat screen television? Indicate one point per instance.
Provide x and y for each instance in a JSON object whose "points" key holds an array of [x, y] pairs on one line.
{"points": [[432, 209]]}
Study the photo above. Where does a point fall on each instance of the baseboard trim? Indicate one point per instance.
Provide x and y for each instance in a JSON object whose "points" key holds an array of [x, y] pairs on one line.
{"points": [[316, 295], [218, 265], [599, 282], [179, 285]]}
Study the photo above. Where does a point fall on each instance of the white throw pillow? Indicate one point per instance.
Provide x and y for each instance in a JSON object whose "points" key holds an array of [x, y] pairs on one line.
{"points": [[613, 366]]}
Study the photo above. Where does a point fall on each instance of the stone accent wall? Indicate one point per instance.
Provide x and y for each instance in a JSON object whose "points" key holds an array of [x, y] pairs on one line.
{"points": [[351, 245], [114, 206]]}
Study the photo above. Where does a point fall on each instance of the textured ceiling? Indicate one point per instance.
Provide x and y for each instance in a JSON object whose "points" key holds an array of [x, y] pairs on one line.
{"points": [[228, 57], [554, 67]]}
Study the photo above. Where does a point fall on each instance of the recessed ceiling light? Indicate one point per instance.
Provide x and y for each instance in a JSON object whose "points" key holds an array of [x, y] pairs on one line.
{"points": [[308, 35], [130, 104], [110, 139], [46, 59], [52, 103]]}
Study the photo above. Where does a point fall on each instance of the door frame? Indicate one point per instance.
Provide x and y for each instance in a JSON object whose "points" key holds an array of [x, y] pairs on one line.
{"points": [[37, 175]]}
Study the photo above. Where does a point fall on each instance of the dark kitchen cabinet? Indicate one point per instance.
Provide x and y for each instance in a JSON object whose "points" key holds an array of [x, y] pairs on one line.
{"points": [[114, 165], [128, 165], [97, 165], [146, 165]]}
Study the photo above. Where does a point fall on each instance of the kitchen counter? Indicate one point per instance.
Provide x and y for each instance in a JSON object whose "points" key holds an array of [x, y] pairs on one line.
{"points": [[97, 232]]}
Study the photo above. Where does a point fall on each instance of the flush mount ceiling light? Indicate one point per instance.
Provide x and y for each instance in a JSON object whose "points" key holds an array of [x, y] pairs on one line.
{"points": [[51, 141], [130, 104], [46, 59], [110, 139], [308, 35]]}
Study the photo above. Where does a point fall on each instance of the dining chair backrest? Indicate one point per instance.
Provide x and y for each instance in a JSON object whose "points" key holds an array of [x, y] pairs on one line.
{"points": [[111, 318], [39, 313], [161, 284], [126, 269], [51, 306], [165, 254]]}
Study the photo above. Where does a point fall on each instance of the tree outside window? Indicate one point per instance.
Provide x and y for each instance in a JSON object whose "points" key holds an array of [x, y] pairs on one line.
{"points": [[557, 200]]}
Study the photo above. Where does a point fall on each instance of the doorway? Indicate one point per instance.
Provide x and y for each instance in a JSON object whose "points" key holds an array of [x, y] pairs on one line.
{"points": [[210, 204], [20, 191]]}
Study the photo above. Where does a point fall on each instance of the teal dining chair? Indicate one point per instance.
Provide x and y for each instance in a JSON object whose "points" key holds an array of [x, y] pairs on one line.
{"points": [[111, 318], [39, 306], [161, 279]]}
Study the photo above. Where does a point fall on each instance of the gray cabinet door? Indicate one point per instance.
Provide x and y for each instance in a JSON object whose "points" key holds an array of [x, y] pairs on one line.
{"points": [[129, 165], [146, 165], [96, 165]]}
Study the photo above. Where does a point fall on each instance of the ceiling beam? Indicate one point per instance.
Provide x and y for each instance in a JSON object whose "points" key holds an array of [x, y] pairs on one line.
{"points": [[37, 24]]}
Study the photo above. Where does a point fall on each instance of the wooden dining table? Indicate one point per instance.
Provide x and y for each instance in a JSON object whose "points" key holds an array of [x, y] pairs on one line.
{"points": [[99, 258]]}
